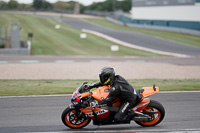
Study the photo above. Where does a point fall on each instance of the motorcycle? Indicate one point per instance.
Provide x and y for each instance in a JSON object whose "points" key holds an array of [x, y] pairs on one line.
{"points": [[84, 108]]}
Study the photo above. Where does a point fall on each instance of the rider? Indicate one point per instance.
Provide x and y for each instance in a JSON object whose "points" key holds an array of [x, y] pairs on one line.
{"points": [[119, 88]]}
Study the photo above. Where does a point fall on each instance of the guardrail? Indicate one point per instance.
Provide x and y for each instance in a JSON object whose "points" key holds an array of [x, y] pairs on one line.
{"points": [[12, 51], [154, 27], [25, 50]]}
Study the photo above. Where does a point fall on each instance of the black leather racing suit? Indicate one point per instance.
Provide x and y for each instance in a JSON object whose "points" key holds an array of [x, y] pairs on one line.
{"points": [[125, 92]]}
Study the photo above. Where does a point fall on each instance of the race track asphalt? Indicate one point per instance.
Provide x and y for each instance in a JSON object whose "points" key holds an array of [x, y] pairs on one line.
{"points": [[43, 114], [47, 59], [135, 38]]}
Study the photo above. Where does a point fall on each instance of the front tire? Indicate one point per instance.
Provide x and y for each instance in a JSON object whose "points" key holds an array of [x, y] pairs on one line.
{"points": [[70, 119], [157, 116]]}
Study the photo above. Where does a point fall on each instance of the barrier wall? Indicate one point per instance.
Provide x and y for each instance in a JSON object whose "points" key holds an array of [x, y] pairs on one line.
{"points": [[168, 13], [153, 27], [176, 13], [10, 51], [180, 24]]}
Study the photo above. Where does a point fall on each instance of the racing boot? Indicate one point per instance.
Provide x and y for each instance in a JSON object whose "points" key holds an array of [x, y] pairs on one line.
{"points": [[131, 114], [127, 118]]}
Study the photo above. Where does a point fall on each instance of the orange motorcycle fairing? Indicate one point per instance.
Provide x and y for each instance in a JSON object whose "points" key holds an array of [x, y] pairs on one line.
{"points": [[85, 94], [101, 93], [116, 102], [147, 91], [141, 105], [84, 108]]}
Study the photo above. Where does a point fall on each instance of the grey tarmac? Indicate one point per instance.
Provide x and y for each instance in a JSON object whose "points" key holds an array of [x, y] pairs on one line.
{"points": [[43, 114], [192, 61], [137, 39]]}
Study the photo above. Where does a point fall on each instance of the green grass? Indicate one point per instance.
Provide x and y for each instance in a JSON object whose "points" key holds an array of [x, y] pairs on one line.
{"points": [[51, 87], [64, 41], [177, 37]]}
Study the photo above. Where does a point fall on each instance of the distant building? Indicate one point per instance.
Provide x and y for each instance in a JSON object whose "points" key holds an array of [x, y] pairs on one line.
{"points": [[168, 13], [178, 10]]}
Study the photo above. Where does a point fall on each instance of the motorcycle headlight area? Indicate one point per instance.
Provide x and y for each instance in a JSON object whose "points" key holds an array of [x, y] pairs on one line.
{"points": [[93, 103], [75, 103]]}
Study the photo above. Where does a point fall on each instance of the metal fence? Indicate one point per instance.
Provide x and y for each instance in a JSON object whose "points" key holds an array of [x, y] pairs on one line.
{"points": [[14, 51]]}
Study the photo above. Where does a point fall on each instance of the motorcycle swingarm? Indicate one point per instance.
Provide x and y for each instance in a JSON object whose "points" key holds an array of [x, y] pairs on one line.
{"points": [[141, 117]]}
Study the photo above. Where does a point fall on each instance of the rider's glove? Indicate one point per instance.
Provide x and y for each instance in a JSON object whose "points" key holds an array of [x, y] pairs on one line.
{"points": [[95, 85], [90, 86], [105, 102], [102, 102]]}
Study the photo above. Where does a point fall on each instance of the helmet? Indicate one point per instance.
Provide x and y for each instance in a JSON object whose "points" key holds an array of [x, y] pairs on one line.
{"points": [[106, 75]]}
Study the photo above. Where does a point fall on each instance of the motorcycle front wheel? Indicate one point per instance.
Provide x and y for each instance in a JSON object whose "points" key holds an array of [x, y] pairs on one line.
{"points": [[156, 111], [73, 119]]}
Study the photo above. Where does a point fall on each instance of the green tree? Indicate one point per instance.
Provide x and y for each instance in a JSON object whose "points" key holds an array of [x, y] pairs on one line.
{"points": [[126, 5], [41, 4], [24, 6], [60, 5], [37, 4], [46, 5], [3, 5], [12, 4], [68, 6], [110, 5]]}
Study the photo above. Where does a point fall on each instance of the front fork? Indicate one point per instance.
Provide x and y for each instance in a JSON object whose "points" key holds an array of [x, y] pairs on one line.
{"points": [[79, 114]]}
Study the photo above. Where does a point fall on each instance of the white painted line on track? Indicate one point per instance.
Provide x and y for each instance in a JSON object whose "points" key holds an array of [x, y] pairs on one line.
{"points": [[133, 45], [3, 62], [64, 61], [32, 96], [29, 61], [178, 92], [129, 131], [134, 61], [67, 95], [99, 61]]}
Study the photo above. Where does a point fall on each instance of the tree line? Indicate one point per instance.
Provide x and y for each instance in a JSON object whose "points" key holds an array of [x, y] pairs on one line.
{"points": [[108, 5]]}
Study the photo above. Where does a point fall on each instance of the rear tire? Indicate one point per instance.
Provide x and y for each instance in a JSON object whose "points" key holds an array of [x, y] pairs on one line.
{"points": [[159, 110], [70, 119]]}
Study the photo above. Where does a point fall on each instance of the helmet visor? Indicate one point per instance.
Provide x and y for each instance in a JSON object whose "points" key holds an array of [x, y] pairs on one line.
{"points": [[105, 79]]}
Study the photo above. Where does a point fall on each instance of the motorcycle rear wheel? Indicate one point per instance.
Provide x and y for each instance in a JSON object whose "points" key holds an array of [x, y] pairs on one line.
{"points": [[70, 119], [157, 117]]}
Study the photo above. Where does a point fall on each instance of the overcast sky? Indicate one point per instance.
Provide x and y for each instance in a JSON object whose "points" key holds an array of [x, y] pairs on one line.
{"points": [[84, 2]]}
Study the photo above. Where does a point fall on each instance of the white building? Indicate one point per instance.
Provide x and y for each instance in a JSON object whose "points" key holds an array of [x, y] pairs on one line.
{"points": [[168, 10]]}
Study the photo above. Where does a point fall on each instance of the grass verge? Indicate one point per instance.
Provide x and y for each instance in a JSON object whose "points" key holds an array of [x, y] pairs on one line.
{"points": [[51, 87], [64, 41], [182, 38]]}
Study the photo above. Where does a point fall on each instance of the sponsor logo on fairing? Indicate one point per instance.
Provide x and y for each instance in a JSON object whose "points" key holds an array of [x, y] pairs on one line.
{"points": [[139, 106], [102, 111], [125, 107]]}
